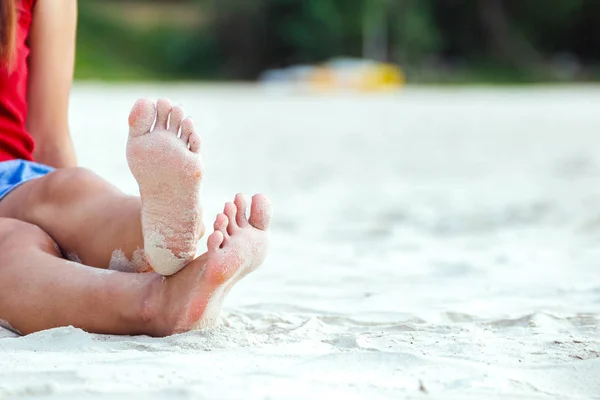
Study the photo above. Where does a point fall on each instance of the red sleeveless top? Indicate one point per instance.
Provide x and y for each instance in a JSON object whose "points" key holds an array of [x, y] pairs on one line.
{"points": [[15, 141]]}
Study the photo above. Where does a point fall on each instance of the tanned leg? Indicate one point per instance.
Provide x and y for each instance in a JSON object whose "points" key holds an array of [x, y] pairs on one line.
{"points": [[40, 290], [95, 223]]}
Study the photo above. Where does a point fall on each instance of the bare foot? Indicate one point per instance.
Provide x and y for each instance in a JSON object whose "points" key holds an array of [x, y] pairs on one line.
{"points": [[192, 299], [166, 163]]}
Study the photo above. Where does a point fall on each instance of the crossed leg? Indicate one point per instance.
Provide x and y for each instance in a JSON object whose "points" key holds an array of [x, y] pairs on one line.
{"points": [[40, 290], [76, 214], [95, 223]]}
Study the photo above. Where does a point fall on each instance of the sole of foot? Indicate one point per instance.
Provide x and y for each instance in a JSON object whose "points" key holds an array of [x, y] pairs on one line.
{"points": [[163, 153]]}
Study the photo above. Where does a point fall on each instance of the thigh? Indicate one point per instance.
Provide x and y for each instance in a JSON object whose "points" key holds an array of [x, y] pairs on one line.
{"points": [[60, 188], [88, 217]]}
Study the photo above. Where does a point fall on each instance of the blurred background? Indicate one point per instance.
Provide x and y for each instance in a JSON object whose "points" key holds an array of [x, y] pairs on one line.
{"points": [[438, 238], [429, 41]]}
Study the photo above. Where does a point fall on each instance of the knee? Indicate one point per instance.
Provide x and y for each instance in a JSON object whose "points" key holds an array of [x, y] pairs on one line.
{"points": [[71, 178], [67, 184], [18, 236]]}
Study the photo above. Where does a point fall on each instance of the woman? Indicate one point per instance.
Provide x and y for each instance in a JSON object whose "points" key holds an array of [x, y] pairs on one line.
{"points": [[50, 209]]}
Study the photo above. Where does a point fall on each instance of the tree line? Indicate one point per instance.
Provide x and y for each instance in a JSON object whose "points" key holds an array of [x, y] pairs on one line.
{"points": [[430, 39]]}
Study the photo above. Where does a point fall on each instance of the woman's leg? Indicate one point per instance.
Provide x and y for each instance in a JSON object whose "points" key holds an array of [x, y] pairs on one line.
{"points": [[39, 290], [95, 223], [85, 215]]}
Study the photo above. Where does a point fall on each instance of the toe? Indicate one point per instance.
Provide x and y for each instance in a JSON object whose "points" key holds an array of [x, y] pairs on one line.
{"points": [[215, 240], [175, 119], [141, 117], [230, 212], [163, 108], [187, 130], [221, 224], [261, 212], [242, 207], [195, 143]]}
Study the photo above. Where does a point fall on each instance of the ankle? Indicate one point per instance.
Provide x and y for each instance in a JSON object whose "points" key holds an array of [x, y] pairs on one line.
{"points": [[163, 312], [149, 314]]}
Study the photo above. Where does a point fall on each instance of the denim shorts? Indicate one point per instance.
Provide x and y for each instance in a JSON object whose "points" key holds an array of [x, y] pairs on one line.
{"points": [[14, 173]]}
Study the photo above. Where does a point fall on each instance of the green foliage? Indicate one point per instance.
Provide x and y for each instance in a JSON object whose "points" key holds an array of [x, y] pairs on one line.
{"points": [[483, 40], [416, 31], [316, 30], [109, 48], [105, 49]]}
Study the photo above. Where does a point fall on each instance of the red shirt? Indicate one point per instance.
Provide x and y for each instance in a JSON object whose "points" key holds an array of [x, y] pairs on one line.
{"points": [[15, 141]]}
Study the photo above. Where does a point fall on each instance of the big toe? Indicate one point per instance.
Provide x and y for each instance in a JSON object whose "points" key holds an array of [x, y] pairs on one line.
{"points": [[141, 117], [215, 240], [261, 212]]}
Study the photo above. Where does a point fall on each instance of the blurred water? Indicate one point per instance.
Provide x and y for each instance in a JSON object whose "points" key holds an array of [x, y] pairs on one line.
{"points": [[435, 240]]}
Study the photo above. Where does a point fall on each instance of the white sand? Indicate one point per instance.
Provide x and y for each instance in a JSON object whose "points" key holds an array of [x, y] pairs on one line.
{"points": [[443, 238]]}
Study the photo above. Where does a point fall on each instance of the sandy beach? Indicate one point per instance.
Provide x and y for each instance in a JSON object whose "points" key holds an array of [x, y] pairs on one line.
{"points": [[435, 243]]}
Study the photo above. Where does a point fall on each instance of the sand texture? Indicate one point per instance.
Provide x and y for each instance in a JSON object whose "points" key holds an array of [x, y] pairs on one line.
{"points": [[437, 243]]}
